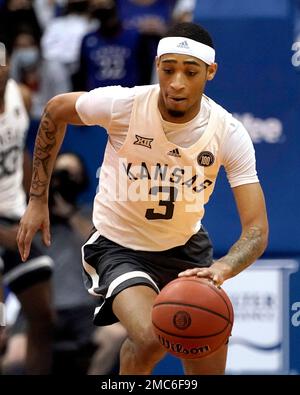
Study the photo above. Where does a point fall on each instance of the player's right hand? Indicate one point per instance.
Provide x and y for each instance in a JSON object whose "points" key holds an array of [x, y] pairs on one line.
{"points": [[36, 217]]}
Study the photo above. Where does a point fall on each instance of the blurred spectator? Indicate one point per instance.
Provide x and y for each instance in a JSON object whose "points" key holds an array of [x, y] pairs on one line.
{"points": [[16, 15], [76, 336], [74, 307], [110, 55], [183, 11], [25, 59], [150, 18], [61, 46], [147, 16], [30, 280], [27, 68], [46, 10], [74, 339]]}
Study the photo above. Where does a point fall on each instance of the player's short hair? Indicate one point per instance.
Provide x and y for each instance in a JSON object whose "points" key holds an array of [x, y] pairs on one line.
{"points": [[192, 31]]}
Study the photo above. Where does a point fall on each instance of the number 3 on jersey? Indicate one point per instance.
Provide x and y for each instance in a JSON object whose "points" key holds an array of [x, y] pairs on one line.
{"points": [[168, 204]]}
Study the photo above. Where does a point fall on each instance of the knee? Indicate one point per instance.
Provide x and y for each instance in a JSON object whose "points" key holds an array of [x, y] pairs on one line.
{"points": [[147, 345]]}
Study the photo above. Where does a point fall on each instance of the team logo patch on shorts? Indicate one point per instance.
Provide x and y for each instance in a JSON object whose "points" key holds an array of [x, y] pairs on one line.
{"points": [[205, 159], [144, 141]]}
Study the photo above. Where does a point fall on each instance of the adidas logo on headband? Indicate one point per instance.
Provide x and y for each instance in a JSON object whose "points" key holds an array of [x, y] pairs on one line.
{"points": [[184, 45]]}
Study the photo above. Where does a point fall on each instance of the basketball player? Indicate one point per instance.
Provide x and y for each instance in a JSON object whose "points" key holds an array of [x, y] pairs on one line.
{"points": [[30, 281], [166, 144]]}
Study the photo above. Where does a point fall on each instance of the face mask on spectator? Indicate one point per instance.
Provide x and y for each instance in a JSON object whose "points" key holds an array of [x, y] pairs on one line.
{"points": [[104, 14], [22, 61], [26, 57], [77, 7], [64, 184]]}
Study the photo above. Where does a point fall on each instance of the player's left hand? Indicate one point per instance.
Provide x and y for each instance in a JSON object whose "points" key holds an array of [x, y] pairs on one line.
{"points": [[218, 272]]}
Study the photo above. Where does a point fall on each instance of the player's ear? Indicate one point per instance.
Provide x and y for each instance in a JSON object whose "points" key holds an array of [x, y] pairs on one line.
{"points": [[211, 71], [157, 61]]}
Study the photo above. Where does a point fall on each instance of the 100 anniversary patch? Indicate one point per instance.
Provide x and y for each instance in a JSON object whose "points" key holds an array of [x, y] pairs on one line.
{"points": [[205, 159]]}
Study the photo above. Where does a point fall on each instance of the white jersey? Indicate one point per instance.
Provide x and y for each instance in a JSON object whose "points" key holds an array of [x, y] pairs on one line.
{"points": [[155, 182], [14, 123]]}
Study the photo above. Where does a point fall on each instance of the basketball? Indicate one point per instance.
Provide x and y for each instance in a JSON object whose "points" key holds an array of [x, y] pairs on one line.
{"points": [[192, 318]]}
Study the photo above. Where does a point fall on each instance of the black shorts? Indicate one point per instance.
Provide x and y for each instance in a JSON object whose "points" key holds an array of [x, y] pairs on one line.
{"points": [[18, 275], [110, 268]]}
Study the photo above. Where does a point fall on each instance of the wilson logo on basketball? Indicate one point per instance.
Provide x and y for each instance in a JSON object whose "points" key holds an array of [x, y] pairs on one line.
{"points": [[180, 349], [192, 327], [182, 320]]}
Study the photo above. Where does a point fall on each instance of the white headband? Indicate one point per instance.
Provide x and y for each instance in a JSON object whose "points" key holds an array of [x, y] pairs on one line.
{"points": [[186, 46]]}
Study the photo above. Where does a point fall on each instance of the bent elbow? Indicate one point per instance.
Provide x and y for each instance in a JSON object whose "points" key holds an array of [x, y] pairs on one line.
{"points": [[264, 239], [62, 108], [54, 107]]}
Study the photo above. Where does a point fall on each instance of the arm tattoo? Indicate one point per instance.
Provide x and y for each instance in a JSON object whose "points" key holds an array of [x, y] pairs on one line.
{"points": [[246, 250], [45, 142]]}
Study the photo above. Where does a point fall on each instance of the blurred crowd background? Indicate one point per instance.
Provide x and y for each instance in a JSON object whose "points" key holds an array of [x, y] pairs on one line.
{"points": [[60, 46]]}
